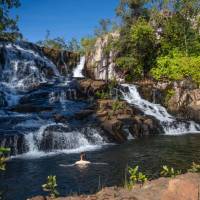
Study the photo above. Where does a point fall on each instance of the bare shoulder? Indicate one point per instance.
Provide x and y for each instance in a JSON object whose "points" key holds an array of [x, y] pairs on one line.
{"points": [[82, 162]]}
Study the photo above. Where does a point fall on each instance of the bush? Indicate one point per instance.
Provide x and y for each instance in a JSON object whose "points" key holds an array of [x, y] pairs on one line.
{"points": [[176, 66], [50, 186], [195, 168], [3, 158], [169, 172], [117, 105], [131, 65], [135, 176]]}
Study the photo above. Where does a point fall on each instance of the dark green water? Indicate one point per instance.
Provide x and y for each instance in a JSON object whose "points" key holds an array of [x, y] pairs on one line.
{"points": [[24, 177]]}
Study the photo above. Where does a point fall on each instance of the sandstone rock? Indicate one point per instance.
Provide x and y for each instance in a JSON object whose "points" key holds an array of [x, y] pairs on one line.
{"points": [[183, 187], [117, 122], [64, 60], [89, 87], [100, 66]]}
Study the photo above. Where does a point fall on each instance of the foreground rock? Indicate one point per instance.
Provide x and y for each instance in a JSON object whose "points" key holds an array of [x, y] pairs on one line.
{"points": [[183, 187]]}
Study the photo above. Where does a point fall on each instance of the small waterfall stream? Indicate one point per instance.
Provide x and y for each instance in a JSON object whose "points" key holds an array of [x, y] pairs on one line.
{"points": [[77, 73], [170, 124]]}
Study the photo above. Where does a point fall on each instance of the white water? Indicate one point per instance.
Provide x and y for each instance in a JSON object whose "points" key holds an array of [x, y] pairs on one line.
{"points": [[69, 142], [24, 67], [77, 73], [170, 124]]}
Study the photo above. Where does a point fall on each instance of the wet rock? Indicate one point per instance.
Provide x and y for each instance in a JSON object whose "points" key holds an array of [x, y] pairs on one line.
{"points": [[16, 142], [29, 108], [3, 102], [125, 120], [182, 98], [83, 114]]}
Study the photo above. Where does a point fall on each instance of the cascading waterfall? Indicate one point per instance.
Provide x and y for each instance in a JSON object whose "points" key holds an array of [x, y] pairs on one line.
{"points": [[32, 95], [58, 137], [170, 124], [24, 67], [77, 73]]}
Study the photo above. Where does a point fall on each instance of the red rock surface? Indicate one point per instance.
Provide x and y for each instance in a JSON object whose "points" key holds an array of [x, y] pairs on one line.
{"points": [[183, 187]]}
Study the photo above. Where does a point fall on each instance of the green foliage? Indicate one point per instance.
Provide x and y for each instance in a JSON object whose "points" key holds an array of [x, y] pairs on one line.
{"points": [[88, 45], [102, 95], [59, 43], [176, 66], [144, 42], [104, 27], [73, 45], [195, 168], [3, 158], [169, 172], [130, 10], [8, 25], [130, 65], [135, 176], [169, 94], [51, 186], [117, 105]]}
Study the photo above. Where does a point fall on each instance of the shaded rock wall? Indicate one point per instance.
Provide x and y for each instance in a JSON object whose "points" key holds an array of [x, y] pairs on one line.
{"points": [[64, 60]]}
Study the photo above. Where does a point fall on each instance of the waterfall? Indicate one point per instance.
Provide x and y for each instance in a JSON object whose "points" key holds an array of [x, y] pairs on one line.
{"points": [[77, 73], [25, 67], [59, 138], [170, 124]]}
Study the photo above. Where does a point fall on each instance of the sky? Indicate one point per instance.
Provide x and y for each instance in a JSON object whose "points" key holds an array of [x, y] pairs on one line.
{"points": [[64, 18]]}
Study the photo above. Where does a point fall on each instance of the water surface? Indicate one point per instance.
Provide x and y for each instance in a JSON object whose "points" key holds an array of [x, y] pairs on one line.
{"points": [[25, 175]]}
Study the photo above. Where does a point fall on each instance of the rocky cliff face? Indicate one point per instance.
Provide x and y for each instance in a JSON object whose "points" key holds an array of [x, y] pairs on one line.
{"points": [[180, 98], [100, 66], [64, 60]]}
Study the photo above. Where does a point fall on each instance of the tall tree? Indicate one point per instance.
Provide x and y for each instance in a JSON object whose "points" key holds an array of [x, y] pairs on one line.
{"points": [[131, 10], [8, 25], [104, 27]]}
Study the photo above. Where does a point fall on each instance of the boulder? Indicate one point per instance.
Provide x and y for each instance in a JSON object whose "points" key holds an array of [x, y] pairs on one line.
{"points": [[120, 120]]}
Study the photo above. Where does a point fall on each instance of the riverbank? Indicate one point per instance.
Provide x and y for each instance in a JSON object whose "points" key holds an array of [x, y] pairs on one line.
{"points": [[183, 187]]}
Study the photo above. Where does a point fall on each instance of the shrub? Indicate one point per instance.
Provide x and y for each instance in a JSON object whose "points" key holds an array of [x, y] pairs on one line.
{"points": [[135, 176], [177, 66], [50, 186], [102, 95], [3, 158], [195, 168], [117, 105], [169, 94], [169, 172]]}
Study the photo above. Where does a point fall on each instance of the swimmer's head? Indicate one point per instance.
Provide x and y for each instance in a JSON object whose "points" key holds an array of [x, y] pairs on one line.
{"points": [[82, 156]]}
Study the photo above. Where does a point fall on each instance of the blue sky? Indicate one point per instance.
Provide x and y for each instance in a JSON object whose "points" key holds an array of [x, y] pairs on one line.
{"points": [[66, 18]]}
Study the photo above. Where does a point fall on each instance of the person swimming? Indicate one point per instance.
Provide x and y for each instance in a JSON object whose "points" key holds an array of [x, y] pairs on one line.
{"points": [[82, 160]]}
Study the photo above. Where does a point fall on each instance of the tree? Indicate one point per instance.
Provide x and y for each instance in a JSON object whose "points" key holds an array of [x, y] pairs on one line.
{"points": [[55, 43], [88, 45], [73, 45], [131, 10], [144, 42], [8, 25], [105, 26]]}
